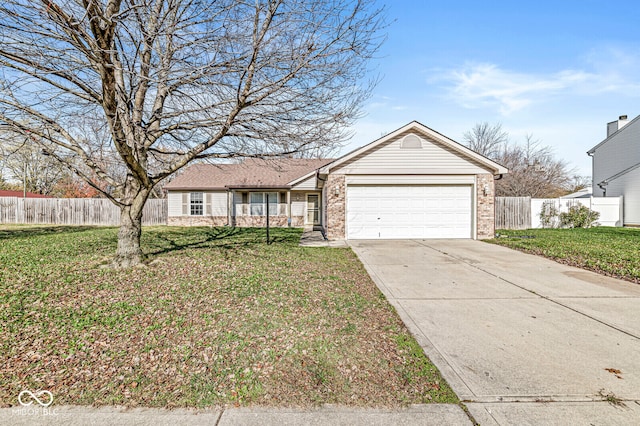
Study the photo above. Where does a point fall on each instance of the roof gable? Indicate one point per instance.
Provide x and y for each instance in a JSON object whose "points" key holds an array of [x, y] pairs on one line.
{"points": [[435, 151]]}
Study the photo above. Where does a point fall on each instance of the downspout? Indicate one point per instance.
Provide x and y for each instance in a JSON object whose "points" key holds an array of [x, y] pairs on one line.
{"points": [[603, 185]]}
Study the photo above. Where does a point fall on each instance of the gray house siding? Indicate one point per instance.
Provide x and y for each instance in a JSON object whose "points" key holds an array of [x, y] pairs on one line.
{"points": [[616, 169]]}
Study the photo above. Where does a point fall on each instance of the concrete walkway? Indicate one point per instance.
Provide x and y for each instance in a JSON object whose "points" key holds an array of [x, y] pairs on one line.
{"points": [[427, 415], [521, 339], [314, 238]]}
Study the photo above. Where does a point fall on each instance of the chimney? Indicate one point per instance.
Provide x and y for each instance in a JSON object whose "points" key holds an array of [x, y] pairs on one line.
{"points": [[614, 126]]}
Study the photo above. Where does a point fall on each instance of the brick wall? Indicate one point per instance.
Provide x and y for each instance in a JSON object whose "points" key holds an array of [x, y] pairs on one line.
{"points": [[197, 220], [240, 221], [261, 221], [335, 215], [486, 206]]}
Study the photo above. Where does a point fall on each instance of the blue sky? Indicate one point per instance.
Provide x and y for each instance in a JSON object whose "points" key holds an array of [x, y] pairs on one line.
{"points": [[558, 70]]}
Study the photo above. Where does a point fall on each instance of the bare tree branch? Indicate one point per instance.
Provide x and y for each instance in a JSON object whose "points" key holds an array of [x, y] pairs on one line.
{"points": [[486, 139], [177, 80]]}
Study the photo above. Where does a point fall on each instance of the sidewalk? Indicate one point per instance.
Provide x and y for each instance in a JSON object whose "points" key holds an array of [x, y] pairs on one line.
{"points": [[314, 238], [427, 414]]}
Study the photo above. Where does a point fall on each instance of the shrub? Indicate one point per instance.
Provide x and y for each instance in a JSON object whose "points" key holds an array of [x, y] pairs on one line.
{"points": [[549, 215], [579, 217]]}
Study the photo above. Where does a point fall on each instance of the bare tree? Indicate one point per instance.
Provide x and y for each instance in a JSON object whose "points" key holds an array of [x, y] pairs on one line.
{"points": [[486, 139], [25, 165], [578, 182], [171, 81], [533, 171]]}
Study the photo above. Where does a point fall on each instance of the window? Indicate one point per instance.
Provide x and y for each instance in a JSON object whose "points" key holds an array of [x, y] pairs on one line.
{"points": [[197, 204], [259, 200]]}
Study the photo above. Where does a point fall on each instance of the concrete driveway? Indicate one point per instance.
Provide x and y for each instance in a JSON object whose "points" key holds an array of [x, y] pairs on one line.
{"points": [[521, 339]]}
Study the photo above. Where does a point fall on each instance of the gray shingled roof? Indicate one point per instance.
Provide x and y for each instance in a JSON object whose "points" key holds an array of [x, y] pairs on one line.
{"points": [[251, 173]]}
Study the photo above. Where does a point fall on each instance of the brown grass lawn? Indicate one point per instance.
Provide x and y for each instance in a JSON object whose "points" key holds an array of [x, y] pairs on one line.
{"points": [[218, 318]]}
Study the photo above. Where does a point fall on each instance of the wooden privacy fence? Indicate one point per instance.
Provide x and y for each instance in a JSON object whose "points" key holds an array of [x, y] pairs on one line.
{"points": [[74, 211], [513, 212]]}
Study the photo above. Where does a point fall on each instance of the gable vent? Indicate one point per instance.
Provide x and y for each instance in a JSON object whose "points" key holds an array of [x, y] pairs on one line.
{"points": [[411, 142]]}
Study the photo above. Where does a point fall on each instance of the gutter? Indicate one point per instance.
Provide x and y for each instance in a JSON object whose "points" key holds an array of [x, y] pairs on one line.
{"points": [[257, 187]]}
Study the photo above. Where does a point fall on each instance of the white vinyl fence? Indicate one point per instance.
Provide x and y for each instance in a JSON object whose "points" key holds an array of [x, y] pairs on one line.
{"points": [[524, 212], [74, 211], [610, 208]]}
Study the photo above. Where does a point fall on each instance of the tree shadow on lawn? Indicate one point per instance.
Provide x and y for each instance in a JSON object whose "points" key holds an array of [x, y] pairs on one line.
{"points": [[217, 237], [39, 230]]}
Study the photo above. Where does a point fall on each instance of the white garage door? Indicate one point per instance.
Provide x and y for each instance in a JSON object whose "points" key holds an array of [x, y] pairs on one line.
{"points": [[410, 211]]}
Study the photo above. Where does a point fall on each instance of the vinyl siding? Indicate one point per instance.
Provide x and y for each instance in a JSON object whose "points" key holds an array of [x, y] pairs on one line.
{"points": [[627, 186], [218, 203], [391, 158], [309, 183], [174, 202], [215, 203], [618, 153]]}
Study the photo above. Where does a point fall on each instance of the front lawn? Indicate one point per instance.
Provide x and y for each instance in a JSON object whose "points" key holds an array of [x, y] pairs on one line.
{"points": [[607, 250], [218, 318]]}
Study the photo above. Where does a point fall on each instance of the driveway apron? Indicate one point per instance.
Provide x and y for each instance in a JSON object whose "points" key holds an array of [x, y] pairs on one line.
{"points": [[521, 339]]}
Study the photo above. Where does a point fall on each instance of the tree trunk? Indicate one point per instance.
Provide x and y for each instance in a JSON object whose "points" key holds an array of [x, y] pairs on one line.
{"points": [[129, 252]]}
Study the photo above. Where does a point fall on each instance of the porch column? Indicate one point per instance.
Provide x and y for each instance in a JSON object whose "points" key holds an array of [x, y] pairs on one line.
{"points": [[230, 196]]}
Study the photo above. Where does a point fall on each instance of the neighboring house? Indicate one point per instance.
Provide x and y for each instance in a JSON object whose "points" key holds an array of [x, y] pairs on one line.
{"points": [[582, 193], [411, 183], [616, 166], [21, 194]]}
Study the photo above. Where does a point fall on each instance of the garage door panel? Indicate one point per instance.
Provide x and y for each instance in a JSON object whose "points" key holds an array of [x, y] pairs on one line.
{"points": [[409, 212]]}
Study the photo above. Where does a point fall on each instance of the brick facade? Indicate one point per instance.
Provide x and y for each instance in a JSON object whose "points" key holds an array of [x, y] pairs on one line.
{"points": [[486, 206], [240, 221], [335, 215], [197, 220], [261, 221]]}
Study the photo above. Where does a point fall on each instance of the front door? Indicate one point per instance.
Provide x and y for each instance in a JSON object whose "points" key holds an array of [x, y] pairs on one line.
{"points": [[313, 209]]}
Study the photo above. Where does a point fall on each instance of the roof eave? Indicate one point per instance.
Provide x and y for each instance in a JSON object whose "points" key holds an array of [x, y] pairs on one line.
{"points": [[195, 188], [258, 186]]}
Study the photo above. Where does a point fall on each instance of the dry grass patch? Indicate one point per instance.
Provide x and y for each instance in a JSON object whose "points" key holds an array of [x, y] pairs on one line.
{"points": [[218, 318]]}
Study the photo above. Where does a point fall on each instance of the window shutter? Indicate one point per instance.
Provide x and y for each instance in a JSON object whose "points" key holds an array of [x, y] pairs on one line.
{"points": [[208, 205], [185, 204]]}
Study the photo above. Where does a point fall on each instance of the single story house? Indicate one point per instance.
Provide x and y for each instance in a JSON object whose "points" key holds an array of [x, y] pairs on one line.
{"points": [[411, 183], [581, 193], [616, 166]]}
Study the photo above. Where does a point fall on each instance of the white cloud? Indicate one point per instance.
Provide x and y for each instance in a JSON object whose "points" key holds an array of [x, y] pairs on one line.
{"points": [[386, 102], [487, 85], [483, 85]]}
